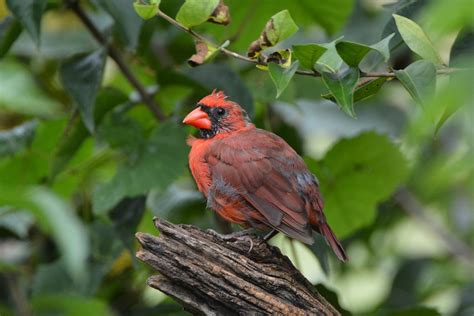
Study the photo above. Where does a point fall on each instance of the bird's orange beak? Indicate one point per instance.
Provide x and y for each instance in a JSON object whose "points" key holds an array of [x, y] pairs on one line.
{"points": [[198, 118]]}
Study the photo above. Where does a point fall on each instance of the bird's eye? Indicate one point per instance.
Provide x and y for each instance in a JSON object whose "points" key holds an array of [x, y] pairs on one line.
{"points": [[220, 111]]}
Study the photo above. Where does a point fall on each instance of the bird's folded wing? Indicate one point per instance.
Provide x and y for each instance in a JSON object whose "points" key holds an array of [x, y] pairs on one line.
{"points": [[263, 174]]}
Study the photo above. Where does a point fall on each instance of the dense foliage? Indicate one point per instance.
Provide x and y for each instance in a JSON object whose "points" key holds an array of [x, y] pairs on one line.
{"points": [[376, 95]]}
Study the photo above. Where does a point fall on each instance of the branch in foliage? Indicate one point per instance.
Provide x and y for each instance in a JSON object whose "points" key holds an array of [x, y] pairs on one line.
{"points": [[213, 274], [313, 73], [146, 98]]}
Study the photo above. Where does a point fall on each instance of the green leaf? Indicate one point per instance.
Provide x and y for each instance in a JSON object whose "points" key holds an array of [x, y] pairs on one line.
{"points": [[383, 47], [162, 159], [330, 61], [308, 54], [71, 141], [416, 39], [17, 138], [419, 79], [278, 28], [19, 92], [282, 26], [10, 29], [415, 311], [146, 11], [365, 91], [281, 76], [29, 13], [195, 12], [357, 174], [127, 23], [342, 86], [67, 231], [353, 53], [81, 77]]}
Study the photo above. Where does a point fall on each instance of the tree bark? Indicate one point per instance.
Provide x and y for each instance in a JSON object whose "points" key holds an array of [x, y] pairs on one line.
{"points": [[216, 274]]}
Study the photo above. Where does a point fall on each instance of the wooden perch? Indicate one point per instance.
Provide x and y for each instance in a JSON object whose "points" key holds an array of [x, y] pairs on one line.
{"points": [[214, 274]]}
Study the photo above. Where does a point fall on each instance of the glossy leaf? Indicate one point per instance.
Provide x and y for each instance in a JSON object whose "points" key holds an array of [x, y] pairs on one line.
{"points": [[81, 77], [416, 39], [308, 54], [29, 13], [17, 138], [419, 79], [195, 12], [10, 29], [281, 76], [356, 174], [162, 159], [146, 11], [342, 86]]}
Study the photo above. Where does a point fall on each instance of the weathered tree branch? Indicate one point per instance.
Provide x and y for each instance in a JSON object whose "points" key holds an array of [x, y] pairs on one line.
{"points": [[213, 274]]}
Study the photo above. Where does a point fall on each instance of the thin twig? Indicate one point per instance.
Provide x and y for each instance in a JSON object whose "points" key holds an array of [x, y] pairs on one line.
{"points": [[314, 73], [412, 206], [117, 57]]}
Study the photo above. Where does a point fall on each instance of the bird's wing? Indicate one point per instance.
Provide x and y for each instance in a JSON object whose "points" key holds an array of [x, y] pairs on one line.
{"points": [[266, 172]]}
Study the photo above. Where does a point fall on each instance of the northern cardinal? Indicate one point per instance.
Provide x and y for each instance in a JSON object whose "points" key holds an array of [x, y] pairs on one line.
{"points": [[253, 177]]}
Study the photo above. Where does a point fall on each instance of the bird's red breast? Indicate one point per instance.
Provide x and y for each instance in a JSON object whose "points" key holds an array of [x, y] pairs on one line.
{"points": [[253, 177]]}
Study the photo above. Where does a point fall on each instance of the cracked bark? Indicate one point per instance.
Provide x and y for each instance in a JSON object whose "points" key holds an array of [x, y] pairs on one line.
{"points": [[210, 274]]}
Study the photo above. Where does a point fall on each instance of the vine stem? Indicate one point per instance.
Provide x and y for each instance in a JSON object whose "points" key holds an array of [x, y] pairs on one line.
{"points": [[314, 73], [117, 57]]}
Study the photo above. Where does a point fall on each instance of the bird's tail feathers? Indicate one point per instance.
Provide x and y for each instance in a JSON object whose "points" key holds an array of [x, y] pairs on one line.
{"points": [[332, 241]]}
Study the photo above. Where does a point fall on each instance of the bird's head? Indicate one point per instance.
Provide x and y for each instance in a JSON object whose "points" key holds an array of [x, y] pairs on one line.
{"points": [[215, 114]]}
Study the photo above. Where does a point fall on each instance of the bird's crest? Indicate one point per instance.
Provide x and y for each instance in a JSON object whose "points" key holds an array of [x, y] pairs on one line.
{"points": [[216, 98]]}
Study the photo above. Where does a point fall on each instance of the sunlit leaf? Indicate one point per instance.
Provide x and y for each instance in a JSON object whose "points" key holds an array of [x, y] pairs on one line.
{"points": [[278, 28], [416, 39], [281, 76], [342, 86], [355, 175], [419, 79], [81, 76], [146, 10], [29, 13], [308, 54], [195, 12]]}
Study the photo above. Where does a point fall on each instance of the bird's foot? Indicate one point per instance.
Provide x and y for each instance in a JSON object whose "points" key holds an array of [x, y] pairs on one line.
{"points": [[242, 235]]}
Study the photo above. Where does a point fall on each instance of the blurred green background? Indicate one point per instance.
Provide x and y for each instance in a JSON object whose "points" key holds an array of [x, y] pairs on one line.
{"points": [[84, 164]]}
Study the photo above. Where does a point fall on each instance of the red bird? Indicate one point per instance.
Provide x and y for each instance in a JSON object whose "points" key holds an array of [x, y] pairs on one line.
{"points": [[253, 177]]}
